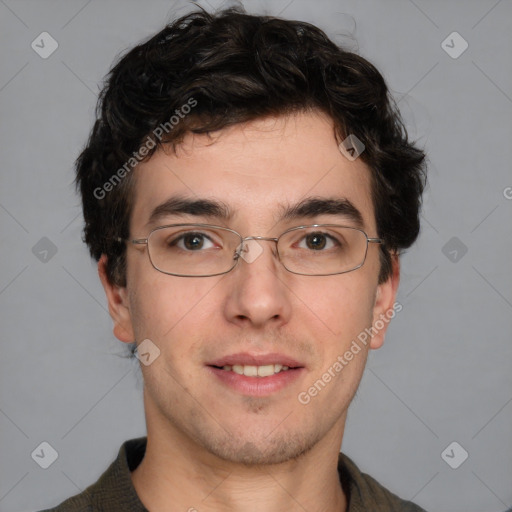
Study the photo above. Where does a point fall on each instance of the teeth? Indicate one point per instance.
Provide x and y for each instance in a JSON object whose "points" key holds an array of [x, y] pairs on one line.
{"points": [[250, 371], [237, 368], [264, 371], [256, 371]]}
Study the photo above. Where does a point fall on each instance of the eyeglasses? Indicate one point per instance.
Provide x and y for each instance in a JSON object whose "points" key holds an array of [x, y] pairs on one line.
{"points": [[204, 250]]}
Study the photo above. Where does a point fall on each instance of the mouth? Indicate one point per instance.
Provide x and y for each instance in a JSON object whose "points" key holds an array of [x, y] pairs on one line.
{"points": [[250, 370], [253, 375]]}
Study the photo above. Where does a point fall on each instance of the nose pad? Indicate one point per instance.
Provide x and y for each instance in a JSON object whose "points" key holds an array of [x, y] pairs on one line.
{"points": [[249, 250]]}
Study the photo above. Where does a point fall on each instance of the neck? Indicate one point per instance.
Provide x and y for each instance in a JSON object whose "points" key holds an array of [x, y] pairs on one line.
{"points": [[177, 474]]}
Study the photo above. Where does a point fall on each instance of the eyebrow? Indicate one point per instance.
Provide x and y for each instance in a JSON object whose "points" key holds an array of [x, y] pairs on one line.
{"points": [[315, 206], [307, 208]]}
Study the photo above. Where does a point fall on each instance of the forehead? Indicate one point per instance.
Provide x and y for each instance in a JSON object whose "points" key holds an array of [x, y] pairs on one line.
{"points": [[256, 172]]}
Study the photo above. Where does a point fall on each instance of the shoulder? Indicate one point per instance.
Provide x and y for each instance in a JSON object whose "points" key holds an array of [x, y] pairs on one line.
{"points": [[114, 491], [79, 503], [365, 493]]}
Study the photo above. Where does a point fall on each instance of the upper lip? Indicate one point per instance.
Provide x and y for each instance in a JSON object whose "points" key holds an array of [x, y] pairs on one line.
{"points": [[255, 360]]}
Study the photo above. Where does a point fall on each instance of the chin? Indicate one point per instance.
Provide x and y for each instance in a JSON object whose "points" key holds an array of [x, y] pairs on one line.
{"points": [[267, 450]]}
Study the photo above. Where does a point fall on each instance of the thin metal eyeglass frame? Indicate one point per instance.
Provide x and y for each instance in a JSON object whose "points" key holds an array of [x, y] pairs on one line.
{"points": [[236, 256]]}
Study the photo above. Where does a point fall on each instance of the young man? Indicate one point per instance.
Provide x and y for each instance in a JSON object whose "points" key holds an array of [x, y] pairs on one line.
{"points": [[247, 189]]}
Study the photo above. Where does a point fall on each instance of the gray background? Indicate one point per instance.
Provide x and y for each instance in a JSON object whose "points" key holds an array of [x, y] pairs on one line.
{"points": [[444, 372]]}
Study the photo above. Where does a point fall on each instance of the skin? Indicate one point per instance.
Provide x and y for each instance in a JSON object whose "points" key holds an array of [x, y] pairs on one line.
{"points": [[209, 447]]}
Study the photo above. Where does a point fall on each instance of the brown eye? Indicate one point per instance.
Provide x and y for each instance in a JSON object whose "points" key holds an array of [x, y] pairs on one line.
{"points": [[193, 241], [316, 241]]}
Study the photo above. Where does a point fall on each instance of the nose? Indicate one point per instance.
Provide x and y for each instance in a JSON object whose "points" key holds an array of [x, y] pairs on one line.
{"points": [[258, 293]]}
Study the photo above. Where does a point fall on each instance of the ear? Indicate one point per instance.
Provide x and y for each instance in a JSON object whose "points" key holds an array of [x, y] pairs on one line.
{"points": [[385, 307], [118, 304]]}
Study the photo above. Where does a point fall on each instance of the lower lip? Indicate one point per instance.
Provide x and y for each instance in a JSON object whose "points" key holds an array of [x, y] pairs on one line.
{"points": [[257, 386]]}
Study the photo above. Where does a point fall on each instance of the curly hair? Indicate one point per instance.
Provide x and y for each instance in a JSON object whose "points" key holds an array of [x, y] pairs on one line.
{"points": [[232, 67]]}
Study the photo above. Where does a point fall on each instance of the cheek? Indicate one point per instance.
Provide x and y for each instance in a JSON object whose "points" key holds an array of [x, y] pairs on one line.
{"points": [[340, 306], [343, 308], [165, 308]]}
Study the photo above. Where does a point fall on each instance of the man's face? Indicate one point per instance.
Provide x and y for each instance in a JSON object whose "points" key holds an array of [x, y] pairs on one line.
{"points": [[258, 309]]}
